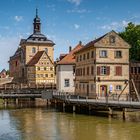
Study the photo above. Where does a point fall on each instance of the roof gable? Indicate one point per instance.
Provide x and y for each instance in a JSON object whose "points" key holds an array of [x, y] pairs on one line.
{"points": [[105, 41], [70, 58], [37, 57]]}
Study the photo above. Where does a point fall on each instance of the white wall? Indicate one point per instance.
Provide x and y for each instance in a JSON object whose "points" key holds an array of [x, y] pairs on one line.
{"points": [[65, 72]]}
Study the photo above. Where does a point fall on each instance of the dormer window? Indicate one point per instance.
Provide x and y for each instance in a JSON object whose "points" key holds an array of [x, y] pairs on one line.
{"points": [[33, 50], [112, 39], [46, 50]]}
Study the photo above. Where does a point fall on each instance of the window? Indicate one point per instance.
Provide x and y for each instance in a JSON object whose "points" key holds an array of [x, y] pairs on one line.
{"points": [[83, 86], [103, 53], [80, 86], [92, 87], [33, 50], [139, 70], [67, 82], [45, 68], [87, 55], [51, 68], [112, 39], [80, 57], [118, 54], [83, 71], [84, 56], [135, 70], [38, 68], [76, 86], [16, 63], [87, 70], [77, 59], [118, 87], [92, 70], [118, 70], [46, 75], [46, 50], [92, 54], [132, 70], [103, 70], [51, 75]]}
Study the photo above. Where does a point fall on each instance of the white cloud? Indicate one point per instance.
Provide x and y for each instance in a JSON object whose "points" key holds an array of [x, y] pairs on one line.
{"points": [[51, 36], [76, 2], [76, 26], [115, 25], [80, 11], [7, 50], [52, 7], [18, 18]]}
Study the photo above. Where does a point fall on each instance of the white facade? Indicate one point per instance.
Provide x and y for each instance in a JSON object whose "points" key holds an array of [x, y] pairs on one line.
{"points": [[65, 78]]}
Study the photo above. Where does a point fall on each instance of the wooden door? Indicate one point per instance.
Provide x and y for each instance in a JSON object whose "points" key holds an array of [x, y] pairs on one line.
{"points": [[103, 91]]}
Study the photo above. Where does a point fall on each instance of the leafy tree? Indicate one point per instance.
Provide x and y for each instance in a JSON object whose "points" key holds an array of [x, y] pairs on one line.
{"points": [[7, 72], [131, 34]]}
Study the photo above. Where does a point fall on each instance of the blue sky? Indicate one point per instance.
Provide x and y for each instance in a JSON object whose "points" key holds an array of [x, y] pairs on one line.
{"points": [[66, 22]]}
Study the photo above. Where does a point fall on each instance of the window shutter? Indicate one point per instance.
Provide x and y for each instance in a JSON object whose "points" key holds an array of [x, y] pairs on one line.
{"points": [[98, 70], [119, 70], [108, 70]]}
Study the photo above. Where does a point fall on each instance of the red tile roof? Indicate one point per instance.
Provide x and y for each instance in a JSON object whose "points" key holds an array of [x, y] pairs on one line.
{"points": [[70, 58], [91, 43], [36, 58]]}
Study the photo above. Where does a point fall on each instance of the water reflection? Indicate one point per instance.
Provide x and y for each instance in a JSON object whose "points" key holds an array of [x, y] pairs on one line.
{"points": [[48, 124]]}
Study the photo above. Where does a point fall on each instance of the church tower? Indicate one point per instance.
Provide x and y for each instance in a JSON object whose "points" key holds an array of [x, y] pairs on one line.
{"points": [[34, 59], [37, 24]]}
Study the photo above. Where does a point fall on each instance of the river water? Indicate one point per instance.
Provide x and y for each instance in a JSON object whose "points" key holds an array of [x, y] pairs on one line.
{"points": [[50, 124]]}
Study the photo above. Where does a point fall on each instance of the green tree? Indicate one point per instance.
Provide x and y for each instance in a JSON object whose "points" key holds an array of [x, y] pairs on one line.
{"points": [[131, 34]]}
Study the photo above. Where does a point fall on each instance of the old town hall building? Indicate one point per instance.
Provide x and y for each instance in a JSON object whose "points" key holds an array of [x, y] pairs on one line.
{"points": [[33, 61]]}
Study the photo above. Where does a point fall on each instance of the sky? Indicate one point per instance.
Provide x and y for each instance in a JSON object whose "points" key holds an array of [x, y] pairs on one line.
{"points": [[66, 22]]}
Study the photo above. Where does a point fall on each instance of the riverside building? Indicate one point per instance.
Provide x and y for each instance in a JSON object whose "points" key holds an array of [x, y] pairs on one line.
{"points": [[102, 67], [65, 70], [33, 61]]}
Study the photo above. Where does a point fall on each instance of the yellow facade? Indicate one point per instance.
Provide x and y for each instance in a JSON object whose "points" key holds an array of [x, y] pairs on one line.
{"points": [[42, 72], [38, 47], [102, 68], [33, 62]]}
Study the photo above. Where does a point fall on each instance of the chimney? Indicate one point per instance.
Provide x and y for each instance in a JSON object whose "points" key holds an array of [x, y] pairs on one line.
{"points": [[80, 42], [70, 48]]}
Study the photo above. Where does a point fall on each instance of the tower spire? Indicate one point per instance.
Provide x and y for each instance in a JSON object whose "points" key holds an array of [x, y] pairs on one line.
{"points": [[37, 23], [36, 12]]}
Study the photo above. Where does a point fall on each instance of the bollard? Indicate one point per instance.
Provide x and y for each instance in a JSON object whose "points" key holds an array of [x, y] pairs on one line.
{"points": [[16, 101], [110, 111], [124, 113], [74, 108], [64, 107]]}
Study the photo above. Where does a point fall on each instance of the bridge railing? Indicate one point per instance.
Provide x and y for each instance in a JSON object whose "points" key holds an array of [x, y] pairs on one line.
{"points": [[113, 97], [26, 86]]}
